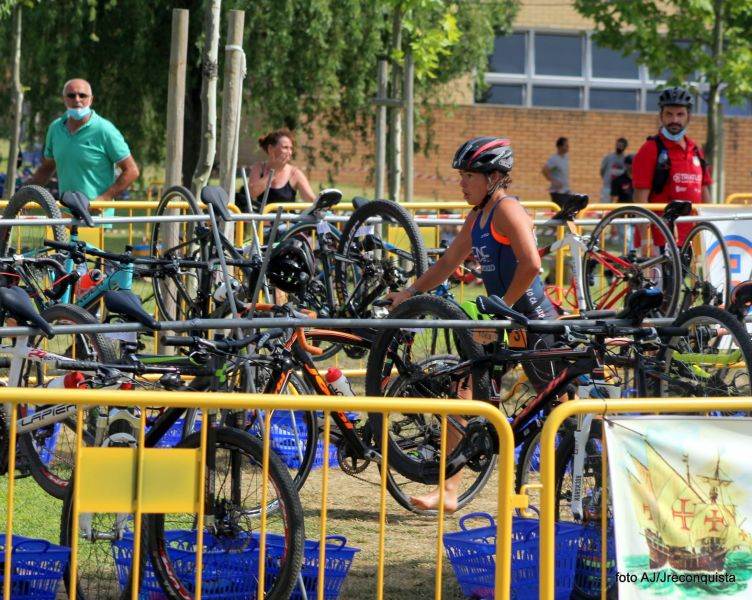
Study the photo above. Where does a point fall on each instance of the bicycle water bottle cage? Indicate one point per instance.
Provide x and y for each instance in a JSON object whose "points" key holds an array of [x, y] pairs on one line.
{"points": [[493, 305], [676, 209], [127, 304], [15, 302], [740, 300], [639, 304], [216, 197], [573, 204], [78, 205]]}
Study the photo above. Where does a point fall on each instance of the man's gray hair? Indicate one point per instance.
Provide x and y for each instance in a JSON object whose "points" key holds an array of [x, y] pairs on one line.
{"points": [[67, 83]]}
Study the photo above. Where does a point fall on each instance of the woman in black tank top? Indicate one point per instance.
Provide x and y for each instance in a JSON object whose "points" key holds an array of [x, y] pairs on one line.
{"points": [[288, 182]]}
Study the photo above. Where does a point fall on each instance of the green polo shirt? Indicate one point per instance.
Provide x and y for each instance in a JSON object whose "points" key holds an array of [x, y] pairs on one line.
{"points": [[85, 161]]}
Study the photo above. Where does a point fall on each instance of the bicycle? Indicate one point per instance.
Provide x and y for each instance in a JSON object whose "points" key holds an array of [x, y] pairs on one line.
{"points": [[706, 274], [415, 363], [36, 362], [604, 268]]}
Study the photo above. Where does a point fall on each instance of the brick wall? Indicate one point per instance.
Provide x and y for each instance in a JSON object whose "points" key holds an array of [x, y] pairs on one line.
{"points": [[550, 14], [533, 132]]}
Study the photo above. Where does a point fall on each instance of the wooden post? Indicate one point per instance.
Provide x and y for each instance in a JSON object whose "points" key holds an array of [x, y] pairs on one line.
{"points": [[409, 124], [381, 81], [176, 97], [232, 94], [210, 72], [17, 105]]}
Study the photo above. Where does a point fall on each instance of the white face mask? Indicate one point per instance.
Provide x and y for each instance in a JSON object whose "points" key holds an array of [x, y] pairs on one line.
{"points": [[77, 114]]}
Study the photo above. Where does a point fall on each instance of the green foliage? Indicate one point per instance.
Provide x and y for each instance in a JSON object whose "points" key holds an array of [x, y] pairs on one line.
{"points": [[678, 35]]}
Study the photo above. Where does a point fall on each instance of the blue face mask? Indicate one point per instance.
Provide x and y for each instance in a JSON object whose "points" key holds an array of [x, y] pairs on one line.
{"points": [[78, 114], [670, 136]]}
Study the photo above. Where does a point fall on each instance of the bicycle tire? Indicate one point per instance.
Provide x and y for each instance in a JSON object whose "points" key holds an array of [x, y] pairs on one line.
{"points": [[30, 201], [714, 359], [285, 514], [367, 266], [611, 269], [53, 469], [587, 579], [415, 455], [696, 286]]}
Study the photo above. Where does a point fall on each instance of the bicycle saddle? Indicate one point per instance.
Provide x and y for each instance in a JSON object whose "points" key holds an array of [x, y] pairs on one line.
{"points": [[126, 303], [676, 209], [78, 204], [572, 205], [740, 299], [639, 304], [15, 302], [326, 199], [215, 196], [493, 305]]}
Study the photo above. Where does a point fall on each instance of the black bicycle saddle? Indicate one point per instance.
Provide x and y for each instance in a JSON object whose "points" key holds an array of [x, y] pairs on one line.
{"points": [[676, 209], [78, 204], [573, 204], [17, 304], [215, 196], [639, 304], [126, 303]]}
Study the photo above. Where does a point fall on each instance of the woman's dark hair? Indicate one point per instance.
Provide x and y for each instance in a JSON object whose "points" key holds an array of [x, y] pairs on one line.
{"points": [[272, 138]]}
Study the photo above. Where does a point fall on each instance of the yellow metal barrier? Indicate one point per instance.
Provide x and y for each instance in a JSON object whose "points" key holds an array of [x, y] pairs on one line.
{"points": [[145, 488], [739, 198], [548, 464]]}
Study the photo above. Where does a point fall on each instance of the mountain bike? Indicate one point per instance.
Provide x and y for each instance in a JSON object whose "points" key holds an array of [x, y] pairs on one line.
{"points": [[605, 265]]}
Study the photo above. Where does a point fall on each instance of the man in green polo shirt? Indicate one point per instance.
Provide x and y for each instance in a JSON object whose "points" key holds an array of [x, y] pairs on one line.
{"points": [[84, 149]]}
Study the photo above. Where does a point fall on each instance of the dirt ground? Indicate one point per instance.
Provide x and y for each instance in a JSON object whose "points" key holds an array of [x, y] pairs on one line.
{"points": [[410, 561]]}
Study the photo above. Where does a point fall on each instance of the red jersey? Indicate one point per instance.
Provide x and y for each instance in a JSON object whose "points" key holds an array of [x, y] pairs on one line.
{"points": [[685, 182]]}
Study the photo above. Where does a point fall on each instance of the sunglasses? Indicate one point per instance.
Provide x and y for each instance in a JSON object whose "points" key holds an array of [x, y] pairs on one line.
{"points": [[74, 95]]}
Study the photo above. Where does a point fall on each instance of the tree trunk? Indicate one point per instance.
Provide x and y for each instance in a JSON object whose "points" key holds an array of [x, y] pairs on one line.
{"points": [[210, 69], [17, 104], [713, 145], [394, 158]]}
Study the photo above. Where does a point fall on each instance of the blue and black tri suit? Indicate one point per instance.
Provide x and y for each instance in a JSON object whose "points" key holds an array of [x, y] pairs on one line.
{"points": [[498, 264]]}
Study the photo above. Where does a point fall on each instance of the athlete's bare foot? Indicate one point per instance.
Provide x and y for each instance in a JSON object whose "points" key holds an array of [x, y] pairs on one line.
{"points": [[430, 501]]}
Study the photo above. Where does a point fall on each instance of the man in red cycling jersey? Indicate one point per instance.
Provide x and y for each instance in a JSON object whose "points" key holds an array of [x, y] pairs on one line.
{"points": [[671, 166]]}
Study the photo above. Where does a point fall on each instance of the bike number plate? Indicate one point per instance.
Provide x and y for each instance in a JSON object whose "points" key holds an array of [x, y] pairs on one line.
{"points": [[322, 228], [484, 336], [517, 338], [364, 230]]}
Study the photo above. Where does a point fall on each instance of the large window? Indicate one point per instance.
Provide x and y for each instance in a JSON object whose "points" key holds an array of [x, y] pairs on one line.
{"points": [[570, 70]]}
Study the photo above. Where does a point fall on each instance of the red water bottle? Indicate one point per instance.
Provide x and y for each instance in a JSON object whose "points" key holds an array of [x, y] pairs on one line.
{"points": [[72, 381], [338, 383], [90, 280]]}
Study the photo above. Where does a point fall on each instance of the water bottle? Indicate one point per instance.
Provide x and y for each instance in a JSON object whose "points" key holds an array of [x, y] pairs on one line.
{"points": [[663, 158], [338, 383], [90, 280], [71, 381]]}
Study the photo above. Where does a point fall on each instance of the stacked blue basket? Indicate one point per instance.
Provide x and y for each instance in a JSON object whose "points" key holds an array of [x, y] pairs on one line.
{"points": [[472, 553], [229, 573], [289, 435], [588, 570], [37, 568], [339, 558]]}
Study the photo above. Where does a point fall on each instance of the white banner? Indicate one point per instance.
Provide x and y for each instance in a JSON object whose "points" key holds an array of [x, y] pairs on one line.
{"points": [[682, 497], [738, 237]]}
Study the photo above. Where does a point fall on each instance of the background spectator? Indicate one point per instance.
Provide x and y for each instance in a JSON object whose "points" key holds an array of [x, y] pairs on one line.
{"points": [[556, 171], [612, 166]]}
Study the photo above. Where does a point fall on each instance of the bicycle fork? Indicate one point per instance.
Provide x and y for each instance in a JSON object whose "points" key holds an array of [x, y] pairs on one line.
{"points": [[581, 436]]}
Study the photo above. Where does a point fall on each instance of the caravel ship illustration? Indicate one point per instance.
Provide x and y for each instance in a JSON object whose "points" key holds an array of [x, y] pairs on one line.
{"points": [[689, 521]]}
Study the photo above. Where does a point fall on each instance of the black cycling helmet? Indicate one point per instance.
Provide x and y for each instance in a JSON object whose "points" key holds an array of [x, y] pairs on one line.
{"points": [[675, 96], [291, 265], [484, 154]]}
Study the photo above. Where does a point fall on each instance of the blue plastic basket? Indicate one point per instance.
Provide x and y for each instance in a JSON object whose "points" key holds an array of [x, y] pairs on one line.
{"points": [[587, 575], [37, 568], [472, 553], [229, 573], [288, 439], [339, 558]]}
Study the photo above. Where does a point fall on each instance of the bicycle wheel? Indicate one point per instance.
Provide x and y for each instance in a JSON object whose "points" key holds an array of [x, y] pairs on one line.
{"points": [[614, 265], [587, 579], [714, 358], [176, 290], [706, 268], [424, 369], [237, 482], [98, 575], [370, 264], [51, 451], [30, 202]]}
